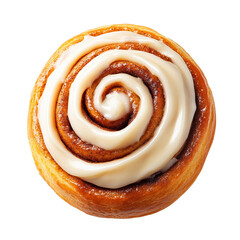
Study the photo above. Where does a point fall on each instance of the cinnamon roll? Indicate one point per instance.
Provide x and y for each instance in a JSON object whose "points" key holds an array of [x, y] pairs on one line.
{"points": [[120, 121]]}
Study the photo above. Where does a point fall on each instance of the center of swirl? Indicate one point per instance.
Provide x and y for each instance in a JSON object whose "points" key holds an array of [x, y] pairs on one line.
{"points": [[132, 84], [91, 133], [114, 106]]}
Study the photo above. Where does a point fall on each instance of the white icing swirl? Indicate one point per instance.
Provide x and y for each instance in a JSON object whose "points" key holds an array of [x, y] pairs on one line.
{"points": [[93, 134], [169, 136], [114, 106]]}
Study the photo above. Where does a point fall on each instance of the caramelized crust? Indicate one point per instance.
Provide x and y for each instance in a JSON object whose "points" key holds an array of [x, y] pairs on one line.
{"points": [[149, 195]]}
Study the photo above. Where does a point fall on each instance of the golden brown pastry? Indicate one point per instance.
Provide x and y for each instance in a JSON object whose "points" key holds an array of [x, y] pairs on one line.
{"points": [[120, 121]]}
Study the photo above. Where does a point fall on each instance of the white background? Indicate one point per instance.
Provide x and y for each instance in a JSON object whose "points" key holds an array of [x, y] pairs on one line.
{"points": [[31, 31]]}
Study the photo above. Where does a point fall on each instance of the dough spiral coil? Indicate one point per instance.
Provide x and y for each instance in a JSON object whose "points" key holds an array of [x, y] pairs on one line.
{"points": [[120, 121], [169, 134]]}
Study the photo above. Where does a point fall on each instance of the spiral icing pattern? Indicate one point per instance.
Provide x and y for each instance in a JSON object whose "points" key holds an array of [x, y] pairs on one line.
{"points": [[117, 108]]}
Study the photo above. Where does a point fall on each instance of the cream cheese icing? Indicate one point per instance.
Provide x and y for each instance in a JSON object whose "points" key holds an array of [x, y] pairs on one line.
{"points": [[155, 155]]}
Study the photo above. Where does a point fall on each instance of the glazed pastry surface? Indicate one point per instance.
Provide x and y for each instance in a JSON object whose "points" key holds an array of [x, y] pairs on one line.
{"points": [[170, 134], [120, 121]]}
